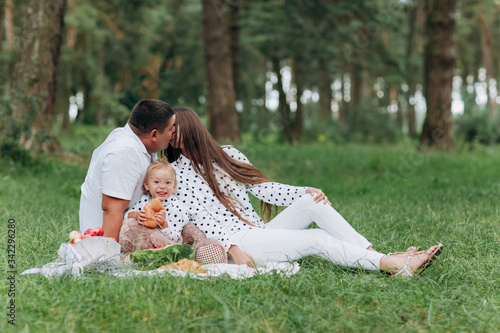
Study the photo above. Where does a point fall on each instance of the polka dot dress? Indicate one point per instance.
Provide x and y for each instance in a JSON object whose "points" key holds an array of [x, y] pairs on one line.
{"points": [[194, 192], [178, 215]]}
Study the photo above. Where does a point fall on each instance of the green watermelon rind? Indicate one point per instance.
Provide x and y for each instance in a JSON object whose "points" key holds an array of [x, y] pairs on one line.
{"points": [[152, 259]]}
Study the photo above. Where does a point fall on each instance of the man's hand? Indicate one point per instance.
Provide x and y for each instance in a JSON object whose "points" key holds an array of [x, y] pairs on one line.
{"points": [[113, 210], [241, 258]]}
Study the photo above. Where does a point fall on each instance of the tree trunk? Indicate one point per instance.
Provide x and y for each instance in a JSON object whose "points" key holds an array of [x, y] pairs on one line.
{"points": [[342, 104], [61, 108], [399, 112], [151, 84], [325, 92], [35, 73], [356, 95], [439, 61], [411, 70], [412, 128], [487, 61], [6, 16], [222, 112], [2, 15], [356, 85], [300, 108], [283, 107], [234, 35], [3, 68], [100, 88], [9, 23], [83, 114]]}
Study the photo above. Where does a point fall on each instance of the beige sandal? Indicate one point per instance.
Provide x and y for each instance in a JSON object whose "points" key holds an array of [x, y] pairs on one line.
{"points": [[411, 248], [426, 264], [405, 268]]}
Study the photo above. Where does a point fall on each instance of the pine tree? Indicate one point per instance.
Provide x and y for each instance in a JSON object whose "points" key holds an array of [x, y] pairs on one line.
{"points": [[221, 95], [439, 56], [35, 74]]}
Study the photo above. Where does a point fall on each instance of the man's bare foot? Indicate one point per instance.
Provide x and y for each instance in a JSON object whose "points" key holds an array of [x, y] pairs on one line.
{"points": [[409, 262]]}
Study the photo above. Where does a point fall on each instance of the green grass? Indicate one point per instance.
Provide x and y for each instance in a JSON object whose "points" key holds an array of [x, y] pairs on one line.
{"points": [[393, 195]]}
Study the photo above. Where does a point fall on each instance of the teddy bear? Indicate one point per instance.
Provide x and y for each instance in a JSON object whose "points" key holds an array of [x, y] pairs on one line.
{"points": [[206, 250], [134, 236]]}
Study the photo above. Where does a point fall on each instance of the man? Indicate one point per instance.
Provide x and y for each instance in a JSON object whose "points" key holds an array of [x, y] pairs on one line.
{"points": [[116, 172]]}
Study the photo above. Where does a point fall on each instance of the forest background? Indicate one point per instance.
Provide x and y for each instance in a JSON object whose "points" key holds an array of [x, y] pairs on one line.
{"points": [[270, 71], [340, 80]]}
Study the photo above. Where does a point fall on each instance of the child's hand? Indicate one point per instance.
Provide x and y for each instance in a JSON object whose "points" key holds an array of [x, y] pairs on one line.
{"points": [[160, 219], [133, 215], [160, 216], [142, 217]]}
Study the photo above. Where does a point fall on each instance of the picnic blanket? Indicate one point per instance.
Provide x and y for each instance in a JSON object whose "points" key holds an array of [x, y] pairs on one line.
{"points": [[72, 260]]}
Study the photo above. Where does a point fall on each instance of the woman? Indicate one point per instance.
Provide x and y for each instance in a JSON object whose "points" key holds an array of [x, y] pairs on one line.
{"points": [[217, 179]]}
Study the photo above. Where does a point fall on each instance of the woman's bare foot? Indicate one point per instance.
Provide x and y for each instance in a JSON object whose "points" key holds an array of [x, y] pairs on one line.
{"points": [[411, 248], [370, 248], [407, 263]]}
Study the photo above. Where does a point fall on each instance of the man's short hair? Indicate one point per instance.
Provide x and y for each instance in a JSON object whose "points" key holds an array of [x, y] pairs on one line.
{"points": [[150, 114]]}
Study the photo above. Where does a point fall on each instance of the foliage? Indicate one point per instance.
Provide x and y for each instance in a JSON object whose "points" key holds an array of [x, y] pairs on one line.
{"points": [[181, 45], [355, 42], [13, 128], [478, 127], [373, 125], [393, 195], [83, 139], [117, 52]]}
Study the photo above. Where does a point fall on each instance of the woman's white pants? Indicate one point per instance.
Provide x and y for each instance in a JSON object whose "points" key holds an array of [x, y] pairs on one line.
{"points": [[285, 238]]}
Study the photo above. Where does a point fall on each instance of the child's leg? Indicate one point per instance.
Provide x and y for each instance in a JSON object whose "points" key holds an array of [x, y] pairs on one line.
{"points": [[304, 211], [266, 245]]}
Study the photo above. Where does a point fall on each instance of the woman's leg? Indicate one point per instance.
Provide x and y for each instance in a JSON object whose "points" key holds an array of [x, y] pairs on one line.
{"points": [[304, 211], [266, 245], [410, 262]]}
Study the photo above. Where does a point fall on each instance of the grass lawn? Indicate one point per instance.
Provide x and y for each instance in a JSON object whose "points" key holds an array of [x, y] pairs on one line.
{"points": [[393, 195]]}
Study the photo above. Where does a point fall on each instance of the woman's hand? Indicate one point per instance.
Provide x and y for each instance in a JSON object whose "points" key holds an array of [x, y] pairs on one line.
{"points": [[241, 258], [318, 195]]}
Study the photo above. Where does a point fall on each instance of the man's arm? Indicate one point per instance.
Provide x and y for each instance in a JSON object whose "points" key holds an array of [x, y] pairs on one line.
{"points": [[113, 210]]}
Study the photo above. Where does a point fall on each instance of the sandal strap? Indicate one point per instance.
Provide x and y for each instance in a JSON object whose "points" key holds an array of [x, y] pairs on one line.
{"points": [[405, 268], [396, 253]]}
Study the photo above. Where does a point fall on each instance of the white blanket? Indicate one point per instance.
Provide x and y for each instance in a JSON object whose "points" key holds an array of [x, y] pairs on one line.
{"points": [[73, 259]]}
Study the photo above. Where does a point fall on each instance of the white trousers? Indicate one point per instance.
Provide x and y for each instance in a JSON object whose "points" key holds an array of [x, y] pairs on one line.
{"points": [[285, 238]]}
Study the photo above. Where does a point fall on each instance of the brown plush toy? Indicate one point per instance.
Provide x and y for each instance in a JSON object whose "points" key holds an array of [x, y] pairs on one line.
{"points": [[207, 250], [134, 237]]}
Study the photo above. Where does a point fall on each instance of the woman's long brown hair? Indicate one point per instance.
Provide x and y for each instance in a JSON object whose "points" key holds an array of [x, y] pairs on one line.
{"points": [[201, 148]]}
